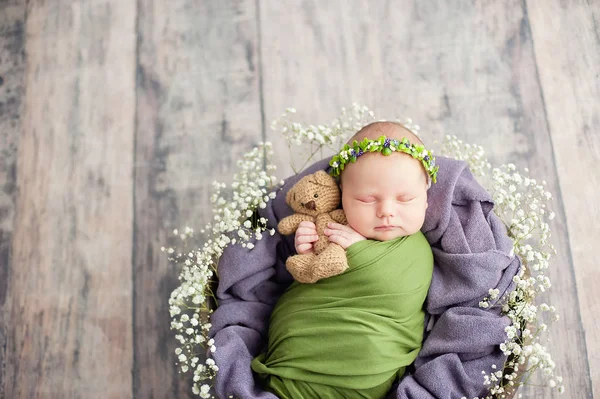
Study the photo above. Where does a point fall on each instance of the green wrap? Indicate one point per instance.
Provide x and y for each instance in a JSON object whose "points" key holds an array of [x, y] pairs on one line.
{"points": [[350, 336]]}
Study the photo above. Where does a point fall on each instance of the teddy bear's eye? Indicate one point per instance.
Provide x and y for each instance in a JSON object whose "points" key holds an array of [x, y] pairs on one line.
{"points": [[316, 195]]}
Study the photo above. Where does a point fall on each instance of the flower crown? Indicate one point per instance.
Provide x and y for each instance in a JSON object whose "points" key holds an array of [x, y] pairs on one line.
{"points": [[385, 146]]}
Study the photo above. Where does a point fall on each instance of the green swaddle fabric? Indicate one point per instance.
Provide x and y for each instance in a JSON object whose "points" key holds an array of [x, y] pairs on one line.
{"points": [[350, 336]]}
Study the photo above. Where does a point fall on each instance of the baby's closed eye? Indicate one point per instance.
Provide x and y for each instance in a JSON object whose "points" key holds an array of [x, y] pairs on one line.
{"points": [[370, 200], [366, 200]]}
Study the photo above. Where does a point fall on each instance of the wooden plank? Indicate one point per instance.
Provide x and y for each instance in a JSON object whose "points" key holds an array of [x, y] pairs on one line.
{"points": [[458, 68], [12, 87], [198, 112], [70, 329], [567, 50]]}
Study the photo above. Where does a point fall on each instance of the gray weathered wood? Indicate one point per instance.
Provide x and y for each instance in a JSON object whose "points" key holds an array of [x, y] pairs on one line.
{"points": [[198, 112], [12, 73], [465, 69], [69, 291], [98, 127], [567, 47]]}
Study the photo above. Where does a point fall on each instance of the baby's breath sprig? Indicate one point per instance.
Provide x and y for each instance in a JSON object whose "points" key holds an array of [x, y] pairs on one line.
{"points": [[234, 221], [474, 155], [315, 139], [520, 202]]}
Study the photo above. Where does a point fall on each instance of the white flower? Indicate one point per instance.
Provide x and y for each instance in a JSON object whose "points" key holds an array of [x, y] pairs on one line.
{"points": [[204, 391]]}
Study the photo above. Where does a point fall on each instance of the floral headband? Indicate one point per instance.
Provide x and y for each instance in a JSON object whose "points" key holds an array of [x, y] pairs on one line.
{"points": [[385, 146]]}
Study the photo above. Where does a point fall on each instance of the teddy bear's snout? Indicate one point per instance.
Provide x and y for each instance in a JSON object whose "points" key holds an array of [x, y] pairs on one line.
{"points": [[311, 205]]}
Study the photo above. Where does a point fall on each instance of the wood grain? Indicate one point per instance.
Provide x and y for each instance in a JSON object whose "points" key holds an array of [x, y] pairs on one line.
{"points": [[567, 47], [198, 112], [108, 141], [69, 302], [12, 87], [455, 68]]}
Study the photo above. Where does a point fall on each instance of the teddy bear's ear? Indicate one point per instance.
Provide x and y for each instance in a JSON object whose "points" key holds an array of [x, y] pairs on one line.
{"points": [[323, 178], [288, 196]]}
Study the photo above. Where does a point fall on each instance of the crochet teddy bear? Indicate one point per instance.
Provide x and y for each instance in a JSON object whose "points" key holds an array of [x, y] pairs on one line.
{"points": [[315, 198]]}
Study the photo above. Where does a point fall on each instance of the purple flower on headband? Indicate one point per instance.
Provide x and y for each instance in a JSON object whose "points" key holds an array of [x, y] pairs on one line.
{"points": [[352, 152], [386, 144], [360, 152], [426, 158]]}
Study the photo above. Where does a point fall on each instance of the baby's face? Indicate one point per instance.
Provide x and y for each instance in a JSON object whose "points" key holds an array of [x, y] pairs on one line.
{"points": [[384, 197]]}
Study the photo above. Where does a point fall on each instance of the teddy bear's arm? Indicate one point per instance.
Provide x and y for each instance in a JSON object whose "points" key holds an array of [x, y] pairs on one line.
{"points": [[288, 225], [339, 216]]}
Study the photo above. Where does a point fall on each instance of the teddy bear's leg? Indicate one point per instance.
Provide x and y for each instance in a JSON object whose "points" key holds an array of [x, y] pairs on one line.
{"points": [[331, 262], [300, 267], [321, 244]]}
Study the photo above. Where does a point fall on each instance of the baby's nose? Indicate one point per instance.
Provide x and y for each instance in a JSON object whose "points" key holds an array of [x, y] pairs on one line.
{"points": [[386, 209]]}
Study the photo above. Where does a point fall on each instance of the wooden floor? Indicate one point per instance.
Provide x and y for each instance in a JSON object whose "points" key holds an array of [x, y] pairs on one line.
{"points": [[116, 116]]}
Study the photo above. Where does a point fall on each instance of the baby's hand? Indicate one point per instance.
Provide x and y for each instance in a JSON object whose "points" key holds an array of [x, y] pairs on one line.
{"points": [[306, 234], [342, 235]]}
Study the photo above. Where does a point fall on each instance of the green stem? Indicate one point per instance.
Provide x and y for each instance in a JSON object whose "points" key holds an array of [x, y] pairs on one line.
{"points": [[310, 157], [291, 157]]}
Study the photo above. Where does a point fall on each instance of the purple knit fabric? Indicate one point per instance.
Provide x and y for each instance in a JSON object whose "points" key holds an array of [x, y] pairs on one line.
{"points": [[472, 255]]}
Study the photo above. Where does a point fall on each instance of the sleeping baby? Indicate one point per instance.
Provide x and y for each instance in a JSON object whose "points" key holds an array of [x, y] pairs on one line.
{"points": [[353, 334]]}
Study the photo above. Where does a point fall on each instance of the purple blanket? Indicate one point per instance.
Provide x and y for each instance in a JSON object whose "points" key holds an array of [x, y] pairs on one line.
{"points": [[472, 255]]}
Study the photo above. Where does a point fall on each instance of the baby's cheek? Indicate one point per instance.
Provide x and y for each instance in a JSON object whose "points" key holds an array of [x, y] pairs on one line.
{"points": [[351, 218], [418, 222], [360, 228]]}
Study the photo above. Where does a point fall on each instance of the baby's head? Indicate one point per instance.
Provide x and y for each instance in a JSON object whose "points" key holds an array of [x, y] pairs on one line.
{"points": [[385, 197]]}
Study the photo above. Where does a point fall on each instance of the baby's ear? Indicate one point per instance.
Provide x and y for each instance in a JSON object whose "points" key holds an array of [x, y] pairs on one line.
{"points": [[323, 178]]}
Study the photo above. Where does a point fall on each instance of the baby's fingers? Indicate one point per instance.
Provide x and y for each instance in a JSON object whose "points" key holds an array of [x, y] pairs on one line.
{"points": [[307, 232], [306, 239], [339, 227], [304, 248], [340, 239], [342, 235], [307, 224]]}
